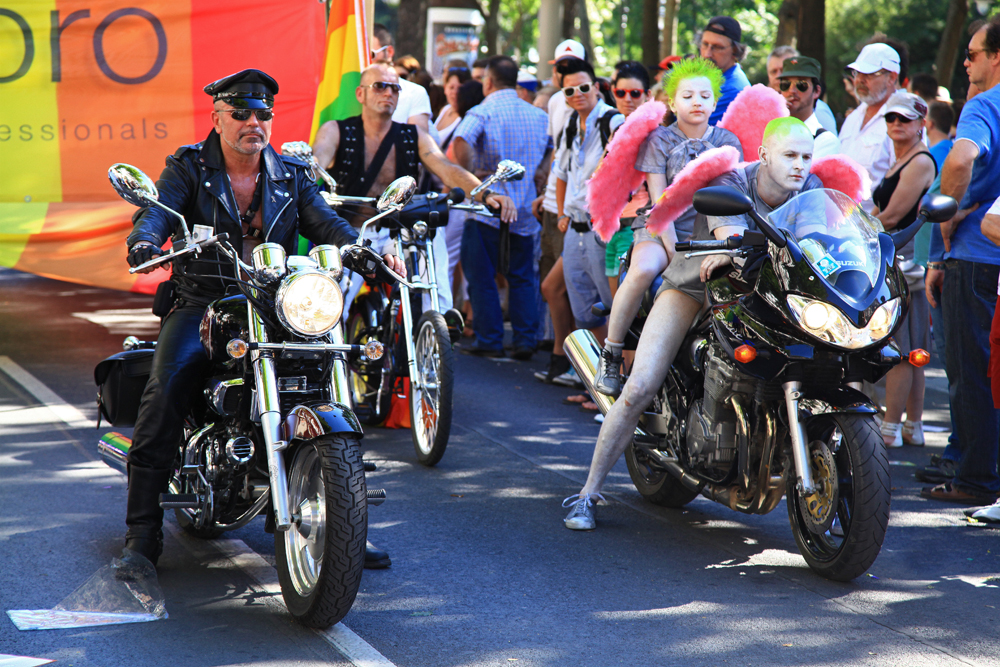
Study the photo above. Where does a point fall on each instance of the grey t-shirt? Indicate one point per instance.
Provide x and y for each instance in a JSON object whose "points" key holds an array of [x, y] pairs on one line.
{"points": [[667, 150]]}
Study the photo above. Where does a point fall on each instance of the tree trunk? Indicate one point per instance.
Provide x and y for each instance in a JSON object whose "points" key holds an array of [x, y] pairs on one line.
{"points": [[650, 31], [951, 42], [585, 29], [812, 30], [788, 24], [569, 19], [413, 15], [669, 42]]}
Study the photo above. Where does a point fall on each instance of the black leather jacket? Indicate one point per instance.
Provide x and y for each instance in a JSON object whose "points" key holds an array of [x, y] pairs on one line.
{"points": [[194, 183]]}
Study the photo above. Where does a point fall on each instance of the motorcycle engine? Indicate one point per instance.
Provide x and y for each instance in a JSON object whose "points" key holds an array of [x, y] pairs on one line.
{"points": [[711, 423]]}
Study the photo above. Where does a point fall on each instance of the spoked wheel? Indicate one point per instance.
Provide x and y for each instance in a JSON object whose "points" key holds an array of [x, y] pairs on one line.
{"points": [[840, 528], [431, 389], [365, 377], [653, 482], [320, 558]]}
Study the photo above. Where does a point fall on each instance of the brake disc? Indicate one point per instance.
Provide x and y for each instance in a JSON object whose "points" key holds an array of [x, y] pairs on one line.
{"points": [[819, 509]]}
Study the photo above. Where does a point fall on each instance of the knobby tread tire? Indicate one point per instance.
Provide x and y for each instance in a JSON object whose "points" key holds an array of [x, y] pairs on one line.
{"points": [[870, 505], [346, 536]]}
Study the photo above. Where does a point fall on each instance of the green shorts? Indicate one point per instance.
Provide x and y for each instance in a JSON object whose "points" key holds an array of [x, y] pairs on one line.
{"points": [[617, 246]]}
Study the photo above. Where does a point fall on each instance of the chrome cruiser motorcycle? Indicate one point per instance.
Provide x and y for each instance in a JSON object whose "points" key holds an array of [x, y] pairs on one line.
{"points": [[764, 398], [272, 430]]}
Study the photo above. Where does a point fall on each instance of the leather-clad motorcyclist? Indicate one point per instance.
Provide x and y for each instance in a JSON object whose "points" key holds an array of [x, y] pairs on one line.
{"points": [[233, 182]]}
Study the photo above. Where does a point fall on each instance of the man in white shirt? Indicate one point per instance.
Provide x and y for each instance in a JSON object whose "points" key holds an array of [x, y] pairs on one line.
{"points": [[798, 83], [864, 136], [414, 107]]}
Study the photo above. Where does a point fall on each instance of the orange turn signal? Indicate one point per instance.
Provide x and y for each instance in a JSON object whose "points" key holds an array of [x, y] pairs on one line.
{"points": [[745, 354], [919, 357]]}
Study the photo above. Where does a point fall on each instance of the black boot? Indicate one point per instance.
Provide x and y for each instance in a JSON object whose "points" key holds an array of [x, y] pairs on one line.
{"points": [[376, 559], [144, 515]]}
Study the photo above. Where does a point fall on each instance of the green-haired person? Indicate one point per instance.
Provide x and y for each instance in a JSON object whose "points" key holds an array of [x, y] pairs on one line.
{"points": [[782, 171], [692, 88]]}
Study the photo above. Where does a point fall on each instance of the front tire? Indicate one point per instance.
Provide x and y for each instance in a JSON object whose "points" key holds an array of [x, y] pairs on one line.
{"points": [[655, 484], [321, 557], [860, 497], [431, 390]]}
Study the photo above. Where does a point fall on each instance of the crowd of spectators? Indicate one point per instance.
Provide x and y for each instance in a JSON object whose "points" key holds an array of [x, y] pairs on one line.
{"points": [[904, 129]]}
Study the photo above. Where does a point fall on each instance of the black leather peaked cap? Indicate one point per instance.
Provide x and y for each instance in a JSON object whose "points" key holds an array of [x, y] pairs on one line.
{"points": [[248, 89]]}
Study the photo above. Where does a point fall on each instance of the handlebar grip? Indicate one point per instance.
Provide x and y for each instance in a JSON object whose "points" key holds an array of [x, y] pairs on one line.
{"points": [[224, 236], [682, 246], [456, 196]]}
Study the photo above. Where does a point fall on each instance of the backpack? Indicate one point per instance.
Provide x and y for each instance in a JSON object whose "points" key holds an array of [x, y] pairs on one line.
{"points": [[603, 124]]}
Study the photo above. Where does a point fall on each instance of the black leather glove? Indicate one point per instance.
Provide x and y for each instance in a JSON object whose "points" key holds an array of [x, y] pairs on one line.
{"points": [[142, 253]]}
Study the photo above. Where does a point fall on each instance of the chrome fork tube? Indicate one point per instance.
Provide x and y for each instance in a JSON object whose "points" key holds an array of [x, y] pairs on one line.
{"points": [[404, 303], [432, 274], [793, 392], [340, 391], [270, 420]]}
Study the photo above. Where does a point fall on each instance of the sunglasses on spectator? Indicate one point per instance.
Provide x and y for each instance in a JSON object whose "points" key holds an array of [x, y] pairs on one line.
{"points": [[970, 54], [801, 86], [378, 51], [584, 88], [244, 114], [382, 86], [635, 93], [893, 117]]}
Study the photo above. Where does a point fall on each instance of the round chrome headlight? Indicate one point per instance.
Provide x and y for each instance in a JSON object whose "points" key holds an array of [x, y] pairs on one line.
{"points": [[309, 303]]}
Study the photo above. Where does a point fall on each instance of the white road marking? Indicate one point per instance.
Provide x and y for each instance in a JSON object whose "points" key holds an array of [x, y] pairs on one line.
{"points": [[60, 409], [126, 320], [21, 661]]}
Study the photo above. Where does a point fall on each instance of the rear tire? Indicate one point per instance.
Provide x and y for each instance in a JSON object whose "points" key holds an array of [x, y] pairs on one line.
{"points": [[655, 484], [321, 557], [431, 394], [850, 546]]}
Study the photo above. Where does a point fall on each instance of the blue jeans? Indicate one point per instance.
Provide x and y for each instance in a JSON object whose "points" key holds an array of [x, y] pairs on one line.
{"points": [[586, 282], [969, 300], [480, 244], [953, 451]]}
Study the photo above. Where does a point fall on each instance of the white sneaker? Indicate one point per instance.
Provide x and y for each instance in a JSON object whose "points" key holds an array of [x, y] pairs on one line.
{"points": [[892, 434], [913, 433], [989, 514], [581, 517], [568, 379]]}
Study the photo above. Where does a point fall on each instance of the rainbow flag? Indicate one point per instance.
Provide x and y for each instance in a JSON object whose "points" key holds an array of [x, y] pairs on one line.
{"points": [[116, 82], [346, 55]]}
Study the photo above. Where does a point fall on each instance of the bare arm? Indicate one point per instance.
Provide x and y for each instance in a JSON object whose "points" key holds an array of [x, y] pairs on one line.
{"points": [[463, 153], [326, 143], [991, 227], [656, 184], [563, 221], [421, 120], [913, 180], [455, 176], [955, 177], [542, 172]]}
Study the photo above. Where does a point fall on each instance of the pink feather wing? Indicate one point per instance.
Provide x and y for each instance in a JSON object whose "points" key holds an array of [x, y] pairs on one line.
{"points": [[697, 174], [616, 178], [839, 172], [749, 113]]}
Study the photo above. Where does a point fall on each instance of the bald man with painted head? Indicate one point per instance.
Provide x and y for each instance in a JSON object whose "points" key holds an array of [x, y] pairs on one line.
{"points": [[782, 172]]}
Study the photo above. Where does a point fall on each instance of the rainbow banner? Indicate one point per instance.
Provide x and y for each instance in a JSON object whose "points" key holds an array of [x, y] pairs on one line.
{"points": [[87, 83], [346, 55]]}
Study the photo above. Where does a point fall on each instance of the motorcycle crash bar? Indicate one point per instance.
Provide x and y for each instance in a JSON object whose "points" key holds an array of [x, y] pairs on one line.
{"points": [[371, 351]]}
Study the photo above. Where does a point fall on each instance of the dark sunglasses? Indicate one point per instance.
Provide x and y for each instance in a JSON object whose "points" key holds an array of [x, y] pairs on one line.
{"points": [[383, 86], [584, 88], [893, 117], [801, 86], [244, 114], [635, 93]]}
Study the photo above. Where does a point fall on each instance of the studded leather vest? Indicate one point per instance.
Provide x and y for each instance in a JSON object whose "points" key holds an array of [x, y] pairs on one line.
{"points": [[349, 163]]}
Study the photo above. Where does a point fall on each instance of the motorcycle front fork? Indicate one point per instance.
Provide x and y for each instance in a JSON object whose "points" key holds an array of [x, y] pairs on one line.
{"points": [[404, 293], [800, 448]]}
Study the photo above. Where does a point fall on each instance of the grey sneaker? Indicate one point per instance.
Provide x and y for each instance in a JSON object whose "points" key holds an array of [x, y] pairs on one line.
{"points": [[609, 378], [581, 517]]}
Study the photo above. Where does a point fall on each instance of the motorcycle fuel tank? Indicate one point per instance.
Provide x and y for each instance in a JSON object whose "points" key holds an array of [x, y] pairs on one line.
{"points": [[223, 321]]}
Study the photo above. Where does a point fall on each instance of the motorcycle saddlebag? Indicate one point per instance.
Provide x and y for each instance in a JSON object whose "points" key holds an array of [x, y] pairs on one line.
{"points": [[120, 380]]}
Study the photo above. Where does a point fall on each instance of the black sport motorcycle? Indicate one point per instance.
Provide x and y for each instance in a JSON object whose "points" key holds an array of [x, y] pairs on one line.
{"points": [[765, 397], [273, 429]]}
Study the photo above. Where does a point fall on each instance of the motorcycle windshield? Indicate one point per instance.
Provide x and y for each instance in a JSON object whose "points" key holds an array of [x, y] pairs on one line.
{"points": [[839, 239]]}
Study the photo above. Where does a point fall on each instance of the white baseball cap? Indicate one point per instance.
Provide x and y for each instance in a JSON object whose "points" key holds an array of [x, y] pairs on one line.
{"points": [[569, 48], [875, 57], [906, 104]]}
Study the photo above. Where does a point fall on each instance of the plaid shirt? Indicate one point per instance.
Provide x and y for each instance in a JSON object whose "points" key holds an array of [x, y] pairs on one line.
{"points": [[505, 127]]}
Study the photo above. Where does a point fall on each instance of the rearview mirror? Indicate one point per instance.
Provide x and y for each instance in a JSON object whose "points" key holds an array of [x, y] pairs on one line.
{"points": [[938, 208], [299, 150], [399, 193], [721, 200], [508, 170], [132, 184]]}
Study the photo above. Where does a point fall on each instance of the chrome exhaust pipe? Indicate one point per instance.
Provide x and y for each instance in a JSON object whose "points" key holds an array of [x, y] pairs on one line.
{"points": [[113, 448], [584, 353]]}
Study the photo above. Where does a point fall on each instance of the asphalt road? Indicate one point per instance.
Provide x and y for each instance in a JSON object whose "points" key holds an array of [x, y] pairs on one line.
{"points": [[483, 571]]}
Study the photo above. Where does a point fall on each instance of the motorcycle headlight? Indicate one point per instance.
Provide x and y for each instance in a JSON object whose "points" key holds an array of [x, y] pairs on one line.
{"points": [[309, 303], [830, 325]]}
